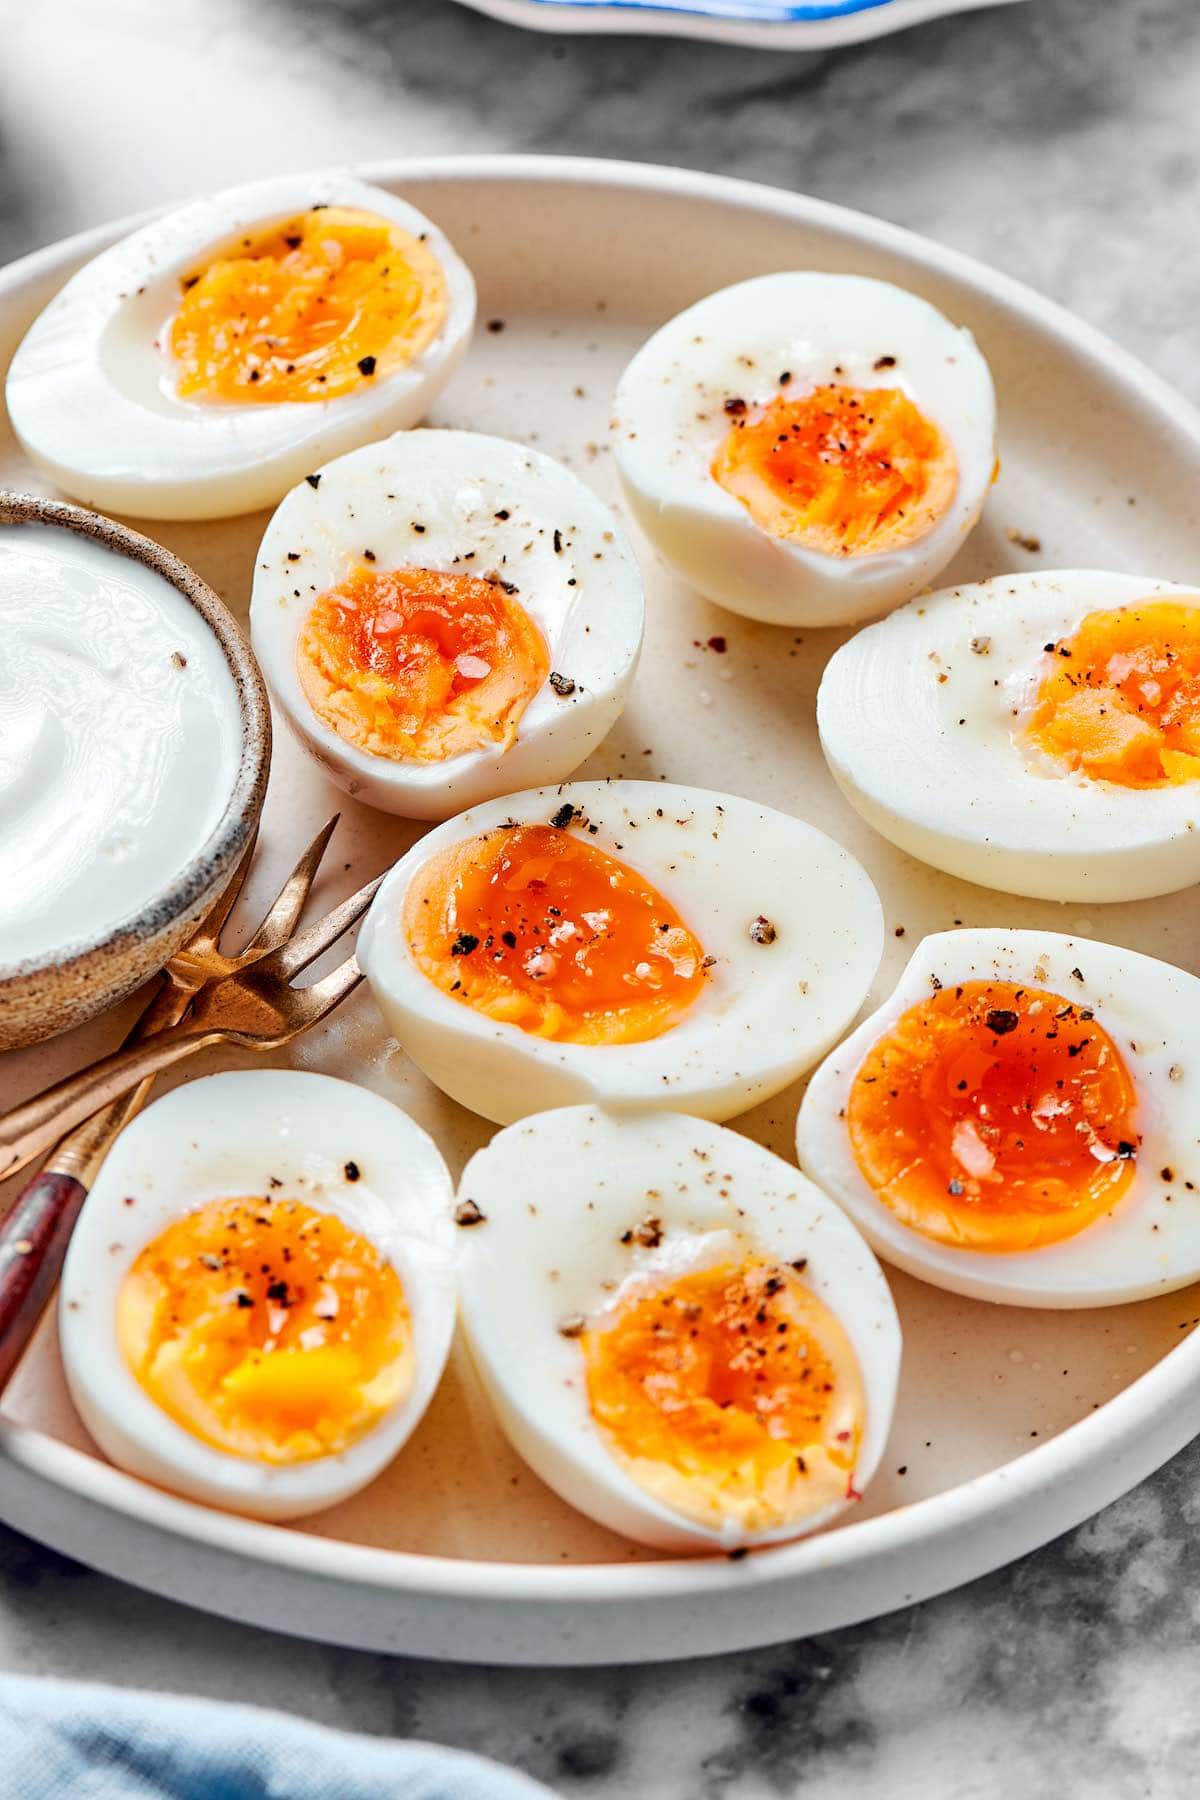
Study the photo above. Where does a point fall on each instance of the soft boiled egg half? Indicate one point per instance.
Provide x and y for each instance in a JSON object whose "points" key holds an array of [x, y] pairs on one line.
{"points": [[203, 364], [807, 449], [259, 1296], [1036, 733], [627, 941], [445, 616], [1020, 1121], [681, 1335]]}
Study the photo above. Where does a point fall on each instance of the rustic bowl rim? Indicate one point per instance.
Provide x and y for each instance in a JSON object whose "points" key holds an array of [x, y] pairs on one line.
{"points": [[220, 851]]}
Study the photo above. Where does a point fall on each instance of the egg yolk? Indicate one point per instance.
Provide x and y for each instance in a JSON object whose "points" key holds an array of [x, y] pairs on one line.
{"points": [[996, 1118], [1121, 701], [420, 665], [267, 1329], [731, 1393], [844, 471], [326, 303], [540, 929]]}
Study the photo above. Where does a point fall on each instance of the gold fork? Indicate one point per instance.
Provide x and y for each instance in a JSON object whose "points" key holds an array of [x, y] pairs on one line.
{"points": [[200, 960], [37, 1228], [256, 1009]]}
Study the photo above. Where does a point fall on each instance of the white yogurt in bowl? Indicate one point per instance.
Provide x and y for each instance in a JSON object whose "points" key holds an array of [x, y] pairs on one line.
{"points": [[134, 742], [120, 731]]}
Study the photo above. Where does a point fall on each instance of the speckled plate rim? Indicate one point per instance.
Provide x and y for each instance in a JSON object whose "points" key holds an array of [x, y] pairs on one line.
{"points": [[692, 19], [528, 1613], [218, 855]]}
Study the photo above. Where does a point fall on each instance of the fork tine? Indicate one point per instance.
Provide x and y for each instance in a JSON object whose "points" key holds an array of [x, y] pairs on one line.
{"points": [[215, 920], [327, 993], [307, 945], [285, 909]]}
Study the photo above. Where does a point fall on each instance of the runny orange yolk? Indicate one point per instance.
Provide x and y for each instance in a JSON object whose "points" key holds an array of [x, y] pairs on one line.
{"points": [[540, 929], [841, 470], [994, 1117], [731, 1393], [267, 1329], [1121, 701], [323, 304], [420, 665]]}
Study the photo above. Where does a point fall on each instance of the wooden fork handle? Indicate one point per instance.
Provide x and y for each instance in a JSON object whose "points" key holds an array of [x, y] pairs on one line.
{"points": [[33, 1242], [30, 1130]]}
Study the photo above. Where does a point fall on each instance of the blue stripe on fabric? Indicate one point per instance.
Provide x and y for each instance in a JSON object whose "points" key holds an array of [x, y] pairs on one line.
{"points": [[765, 12]]}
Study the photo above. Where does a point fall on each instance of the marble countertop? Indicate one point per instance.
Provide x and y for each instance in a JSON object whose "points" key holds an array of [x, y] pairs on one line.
{"points": [[1057, 140]]}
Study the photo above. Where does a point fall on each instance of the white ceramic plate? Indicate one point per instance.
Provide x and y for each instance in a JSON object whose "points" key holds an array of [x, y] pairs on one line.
{"points": [[1011, 1425], [760, 24]]}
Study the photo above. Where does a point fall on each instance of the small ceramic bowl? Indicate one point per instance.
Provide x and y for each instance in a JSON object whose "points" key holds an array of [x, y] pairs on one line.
{"points": [[51, 992]]}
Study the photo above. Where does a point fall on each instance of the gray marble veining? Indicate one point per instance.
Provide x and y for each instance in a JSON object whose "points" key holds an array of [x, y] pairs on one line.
{"points": [[1075, 1672], [1058, 140]]}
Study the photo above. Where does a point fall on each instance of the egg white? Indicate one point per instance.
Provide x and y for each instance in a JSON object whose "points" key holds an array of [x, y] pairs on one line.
{"points": [[1150, 1242], [556, 1193], [90, 391], [431, 499], [767, 1010], [223, 1136], [921, 718], [670, 420]]}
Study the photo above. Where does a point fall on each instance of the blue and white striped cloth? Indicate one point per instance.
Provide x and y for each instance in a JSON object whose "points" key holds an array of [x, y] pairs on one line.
{"points": [[758, 12], [71, 1741]]}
